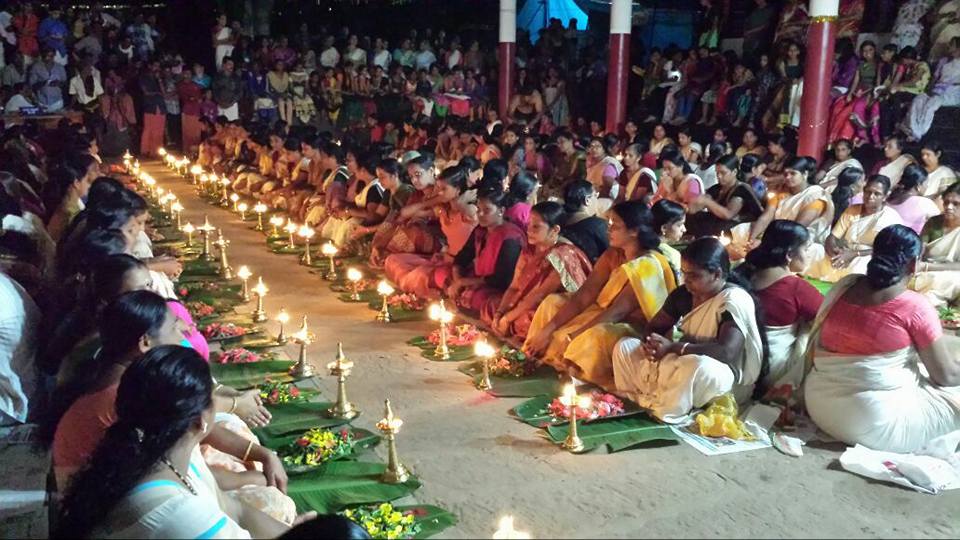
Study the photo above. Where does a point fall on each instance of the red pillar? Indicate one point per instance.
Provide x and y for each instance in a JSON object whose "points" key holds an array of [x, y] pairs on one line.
{"points": [[619, 68], [815, 102], [506, 55]]}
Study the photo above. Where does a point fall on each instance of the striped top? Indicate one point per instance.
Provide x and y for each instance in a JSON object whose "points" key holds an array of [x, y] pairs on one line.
{"points": [[166, 509]]}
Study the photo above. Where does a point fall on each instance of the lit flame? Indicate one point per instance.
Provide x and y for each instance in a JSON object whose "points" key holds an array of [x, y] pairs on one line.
{"points": [[291, 227], [162, 151], [261, 208], [242, 207], [234, 197], [244, 273], [484, 349], [176, 207], [188, 228], [306, 232], [196, 170], [224, 181], [384, 288], [354, 275], [260, 289], [328, 249], [276, 221], [724, 240], [204, 178], [507, 532], [282, 317]]}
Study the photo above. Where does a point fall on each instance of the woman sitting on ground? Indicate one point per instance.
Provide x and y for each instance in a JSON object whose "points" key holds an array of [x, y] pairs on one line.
{"points": [[727, 204], [484, 268], [939, 176], [780, 149], [723, 348], [426, 275], [789, 302], [629, 283], [938, 274], [146, 478], [906, 200], [801, 200], [362, 209], [847, 249], [894, 160], [868, 388], [637, 183], [583, 227], [521, 196], [678, 183], [603, 170], [66, 191], [395, 195], [847, 191], [548, 264], [415, 226], [842, 159], [670, 222]]}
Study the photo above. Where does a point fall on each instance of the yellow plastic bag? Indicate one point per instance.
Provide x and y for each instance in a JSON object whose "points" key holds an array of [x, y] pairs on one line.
{"points": [[720, 420]]}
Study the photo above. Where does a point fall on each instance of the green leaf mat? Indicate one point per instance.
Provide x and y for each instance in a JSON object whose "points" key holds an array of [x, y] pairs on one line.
{"points": [[345, 483], [363, 440], [543, 381], [256, 342], [433, 520], [253, 332], [616, 434], [295, 418], [284, 249], [243, 376], [200, 267], [457, 353], [534, 411], [366, 297]]}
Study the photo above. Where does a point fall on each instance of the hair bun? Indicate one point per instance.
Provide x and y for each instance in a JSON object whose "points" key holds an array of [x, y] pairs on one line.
{"points": [[884, 271]]}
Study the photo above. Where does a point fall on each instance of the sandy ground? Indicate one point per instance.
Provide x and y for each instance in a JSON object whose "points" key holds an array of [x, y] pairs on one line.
{"points": [[478, 462]]}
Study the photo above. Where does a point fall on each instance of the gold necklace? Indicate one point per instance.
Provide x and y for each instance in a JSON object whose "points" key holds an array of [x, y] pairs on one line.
{"points": [[182, 478]]}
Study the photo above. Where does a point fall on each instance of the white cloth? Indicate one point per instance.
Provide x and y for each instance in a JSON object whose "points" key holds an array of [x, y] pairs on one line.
{"points": [[166, 509], [15, 103], [933, 469], [884, 401], [425, 59], [675, 385], [19, 322], [940, 287], [785, 360], [829, 180], [223, 50], [78, 89], [937, 181], [31, 225], [382, 59], [357, 57], [946, 93], [330, 57], [858, 232], [232, 112]]}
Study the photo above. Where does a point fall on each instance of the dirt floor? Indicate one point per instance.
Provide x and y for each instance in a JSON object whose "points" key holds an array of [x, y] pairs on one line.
{"points": [[478, 462]]}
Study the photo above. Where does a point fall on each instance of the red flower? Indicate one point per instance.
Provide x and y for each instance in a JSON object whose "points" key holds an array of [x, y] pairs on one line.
{"points": [[275, 395], [294, 391], [303, 442], [183, 291], [344, 433]]}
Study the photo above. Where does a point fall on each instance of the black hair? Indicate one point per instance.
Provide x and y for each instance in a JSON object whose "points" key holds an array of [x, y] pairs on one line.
{"points": [[636, 216], [120, 325], [333, 150], [846, 142], [781, 238], [731, 162], [747, 163], [913, 177], [908, 53], [390, 166], [672, 154], [804, 165], [497, 198], [108, 276], [495, 171], [521, 187], [952, 189], [844, 191], [787, 140], [159, 398], [455, 177], [932, 145], [897, 139], [81, 256], [102, 188], [666, 212], [292, 144], [709, 254], [576, 194], [471, 164], [114, 212], [884, 182], [328, 526], [551, 212], [424, 161], [640, 147], [893, 250]]}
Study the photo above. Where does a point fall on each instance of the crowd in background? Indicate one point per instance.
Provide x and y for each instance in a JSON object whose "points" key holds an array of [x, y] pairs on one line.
{"points": [[670, 263]]}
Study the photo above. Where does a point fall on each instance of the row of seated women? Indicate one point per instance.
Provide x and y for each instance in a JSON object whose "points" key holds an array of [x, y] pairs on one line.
{"points": [[165, 451]]}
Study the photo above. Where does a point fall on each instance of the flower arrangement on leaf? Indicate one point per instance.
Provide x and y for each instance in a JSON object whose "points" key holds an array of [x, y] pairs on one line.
{"points": [[317, 446], [511, 362], [199, 310], [223, 330], [384, 522], [407, 301], [190, 288], [274, 392], [949, 317], [238, 356], [459, 335], [602, 405]]}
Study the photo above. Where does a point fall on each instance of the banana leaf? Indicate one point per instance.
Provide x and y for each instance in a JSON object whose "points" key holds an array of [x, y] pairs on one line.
{"points": [[284, 249], [200, 267], [458, 353], [543, 381], [534, 411], [432, 519], [343, 484], [295, 418], [252, 332], [362, 440], [243, 376], [616, 434], [398, 314], [365, 297], [256, 342]]}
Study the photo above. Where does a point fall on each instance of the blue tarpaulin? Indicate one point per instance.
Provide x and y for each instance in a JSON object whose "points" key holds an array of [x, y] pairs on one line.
{"points": [[536, 14]]}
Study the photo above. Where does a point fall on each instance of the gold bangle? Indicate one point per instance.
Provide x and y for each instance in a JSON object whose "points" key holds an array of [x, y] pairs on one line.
{"points": [[234, 407], [247, 453]]}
